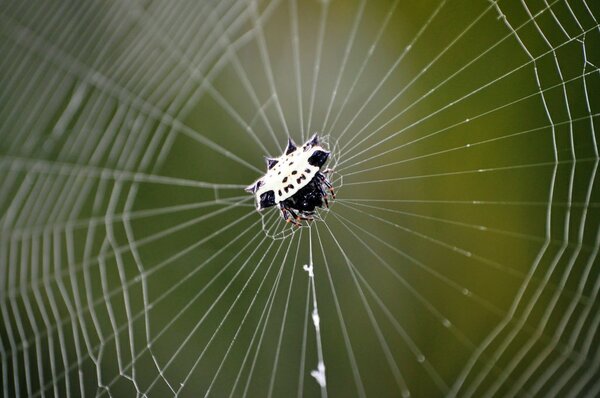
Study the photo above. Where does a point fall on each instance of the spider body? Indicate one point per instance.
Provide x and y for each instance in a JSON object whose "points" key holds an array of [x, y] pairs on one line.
{"points": [[294, 182]]}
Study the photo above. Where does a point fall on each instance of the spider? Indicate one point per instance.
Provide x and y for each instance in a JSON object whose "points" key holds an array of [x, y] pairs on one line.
{"points": [[294, 182]]}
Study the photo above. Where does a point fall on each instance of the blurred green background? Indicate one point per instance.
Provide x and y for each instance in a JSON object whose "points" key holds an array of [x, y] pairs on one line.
{"points": [[458, 259]]}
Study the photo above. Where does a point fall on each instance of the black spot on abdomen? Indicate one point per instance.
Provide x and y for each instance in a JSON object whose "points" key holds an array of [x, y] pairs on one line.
{"points": [[299, 179]]}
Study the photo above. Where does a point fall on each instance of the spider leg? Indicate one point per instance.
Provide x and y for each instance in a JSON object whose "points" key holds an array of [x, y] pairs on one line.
{"points": [[289, 215], [283, 212], [328, 185], [306, 216], [323, 193], [296, 219]]}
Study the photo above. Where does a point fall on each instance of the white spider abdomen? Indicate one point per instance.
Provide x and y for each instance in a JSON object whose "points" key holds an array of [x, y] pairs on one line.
{"points": [[289, 173]]}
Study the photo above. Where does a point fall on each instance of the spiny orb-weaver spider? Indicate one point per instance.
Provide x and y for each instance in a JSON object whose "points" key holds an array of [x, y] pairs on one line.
{"points": [[294, 182]]}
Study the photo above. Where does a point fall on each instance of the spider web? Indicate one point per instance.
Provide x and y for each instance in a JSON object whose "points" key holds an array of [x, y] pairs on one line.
{"points": [[460, 257]]}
